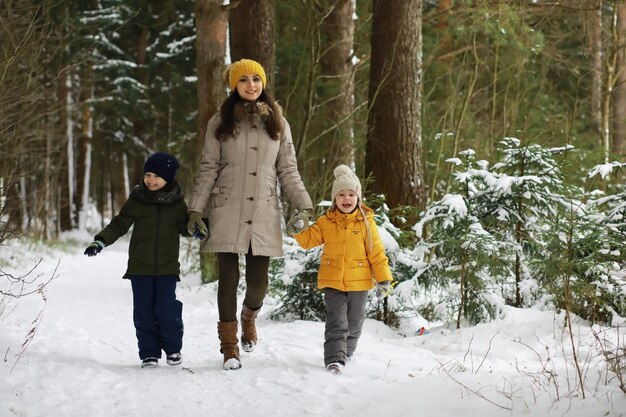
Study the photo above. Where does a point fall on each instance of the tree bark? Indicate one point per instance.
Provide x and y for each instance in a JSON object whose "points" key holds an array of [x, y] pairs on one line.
{"points": [[594, 30], [337, 72], [65, 186], [394, 143], [211, 29], [83, 161], [251, 26], [619, 91]]}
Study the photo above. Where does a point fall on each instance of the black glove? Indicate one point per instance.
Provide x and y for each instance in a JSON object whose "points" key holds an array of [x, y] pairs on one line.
{"points": [[95, 248]]}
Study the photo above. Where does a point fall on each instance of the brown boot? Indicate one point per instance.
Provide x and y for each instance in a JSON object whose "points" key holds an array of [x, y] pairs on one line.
{"points": [[227, 332], [248, 328]]}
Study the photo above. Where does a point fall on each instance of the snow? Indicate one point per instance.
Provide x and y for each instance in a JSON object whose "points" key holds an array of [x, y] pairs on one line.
{"points": [[455, 203], [82, 360], [604, 170]]}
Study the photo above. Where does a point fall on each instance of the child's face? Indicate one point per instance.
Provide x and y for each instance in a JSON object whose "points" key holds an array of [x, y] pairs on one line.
{"points": [[153, 181], [346, 200]]}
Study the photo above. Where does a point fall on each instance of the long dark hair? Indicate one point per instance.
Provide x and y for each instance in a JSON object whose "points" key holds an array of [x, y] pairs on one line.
{"points": [[226, 127]]}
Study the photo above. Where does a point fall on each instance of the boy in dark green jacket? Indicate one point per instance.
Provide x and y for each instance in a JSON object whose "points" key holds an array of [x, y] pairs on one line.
{"points": [[157, 209]]}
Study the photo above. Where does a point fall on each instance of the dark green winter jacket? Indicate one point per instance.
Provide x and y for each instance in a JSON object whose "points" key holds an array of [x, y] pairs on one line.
{"points": [[159, 217]]}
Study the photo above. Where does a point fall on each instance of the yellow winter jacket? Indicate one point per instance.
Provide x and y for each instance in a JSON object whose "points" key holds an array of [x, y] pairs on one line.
{"points": [[347, 262]]}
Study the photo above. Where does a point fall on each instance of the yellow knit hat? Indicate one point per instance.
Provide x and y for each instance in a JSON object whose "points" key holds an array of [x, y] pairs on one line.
{"points": [[241, 67]]}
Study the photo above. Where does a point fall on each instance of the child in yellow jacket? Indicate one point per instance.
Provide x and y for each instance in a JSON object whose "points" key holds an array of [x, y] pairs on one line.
{"points": [[353, 259]]}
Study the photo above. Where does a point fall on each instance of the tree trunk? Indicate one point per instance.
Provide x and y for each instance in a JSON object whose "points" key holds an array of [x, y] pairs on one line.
{"points": [[47, 213], [594, 29], [140, 127], [394, 143], [609, 81], [211, 29], [65, 185], [83, 161], [71, 160], [251, 26], [337, 73], [619, 91]]}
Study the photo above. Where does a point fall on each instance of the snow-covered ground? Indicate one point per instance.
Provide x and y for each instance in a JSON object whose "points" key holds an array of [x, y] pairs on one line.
{"points": [[82, 360]]}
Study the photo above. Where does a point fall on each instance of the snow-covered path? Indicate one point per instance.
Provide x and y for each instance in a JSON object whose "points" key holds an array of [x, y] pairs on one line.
{"points": [[83, 360]]}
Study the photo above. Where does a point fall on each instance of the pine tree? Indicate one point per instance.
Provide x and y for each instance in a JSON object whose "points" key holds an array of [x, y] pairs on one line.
{"points": [[464, 256], [294, 283]]}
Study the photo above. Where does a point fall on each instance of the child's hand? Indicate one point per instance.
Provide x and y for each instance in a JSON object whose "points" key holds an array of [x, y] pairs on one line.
{"points": [[196, 226], [197, 233], [383, 289], [299, 221], [94, 249]]}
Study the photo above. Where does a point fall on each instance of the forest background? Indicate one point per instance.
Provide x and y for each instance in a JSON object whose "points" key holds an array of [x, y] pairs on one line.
{"points": [[489, 134]]}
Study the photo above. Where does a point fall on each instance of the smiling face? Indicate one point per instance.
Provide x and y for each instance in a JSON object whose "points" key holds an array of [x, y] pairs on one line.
{"points": [[153, 181], [249, 87], [346, 200]]}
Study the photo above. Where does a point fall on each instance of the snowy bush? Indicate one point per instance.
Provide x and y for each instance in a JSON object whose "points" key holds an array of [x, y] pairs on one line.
{"points": [[515, 233], [462, 258], [293, 282]]}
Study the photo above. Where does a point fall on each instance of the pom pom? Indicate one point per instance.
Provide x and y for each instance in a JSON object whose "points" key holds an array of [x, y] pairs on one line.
{"points": [[342, 170]]}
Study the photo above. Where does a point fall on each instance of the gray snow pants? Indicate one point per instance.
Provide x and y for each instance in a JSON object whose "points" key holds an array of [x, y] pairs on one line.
{"points": [[345, 313]]}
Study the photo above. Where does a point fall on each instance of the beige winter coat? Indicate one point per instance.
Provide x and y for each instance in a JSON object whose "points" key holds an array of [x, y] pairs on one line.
{"points": [[236, 187]]}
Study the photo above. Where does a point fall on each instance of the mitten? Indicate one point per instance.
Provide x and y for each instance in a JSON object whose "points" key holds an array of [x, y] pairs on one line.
{"points": [[299, 221], [383, 289], [196, 226], [94, 248]]}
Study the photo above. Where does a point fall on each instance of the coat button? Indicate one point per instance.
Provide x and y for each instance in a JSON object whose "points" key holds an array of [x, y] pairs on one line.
{"points": [[248, 222], [251, 198], [254, 148], [252, 173]]}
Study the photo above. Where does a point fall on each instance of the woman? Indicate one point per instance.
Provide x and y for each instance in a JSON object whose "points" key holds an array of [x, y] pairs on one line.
{"points": [[247, 151]]}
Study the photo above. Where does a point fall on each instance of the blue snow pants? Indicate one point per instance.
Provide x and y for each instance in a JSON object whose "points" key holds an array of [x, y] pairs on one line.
{"points": [[157, 315]]}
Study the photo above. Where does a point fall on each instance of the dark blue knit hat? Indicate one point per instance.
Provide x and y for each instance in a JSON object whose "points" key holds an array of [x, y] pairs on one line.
{"points": [[163, 164]]}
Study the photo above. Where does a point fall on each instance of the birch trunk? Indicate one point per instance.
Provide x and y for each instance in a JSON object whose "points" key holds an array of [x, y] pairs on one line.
{"points": [[619, 91]]}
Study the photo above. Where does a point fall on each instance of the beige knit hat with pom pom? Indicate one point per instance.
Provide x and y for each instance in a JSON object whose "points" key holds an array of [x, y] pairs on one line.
{"points": [[345, 179]]}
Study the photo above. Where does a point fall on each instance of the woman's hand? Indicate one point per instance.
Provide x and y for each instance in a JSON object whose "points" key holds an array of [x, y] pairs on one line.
{"points": [[299, 221]]}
